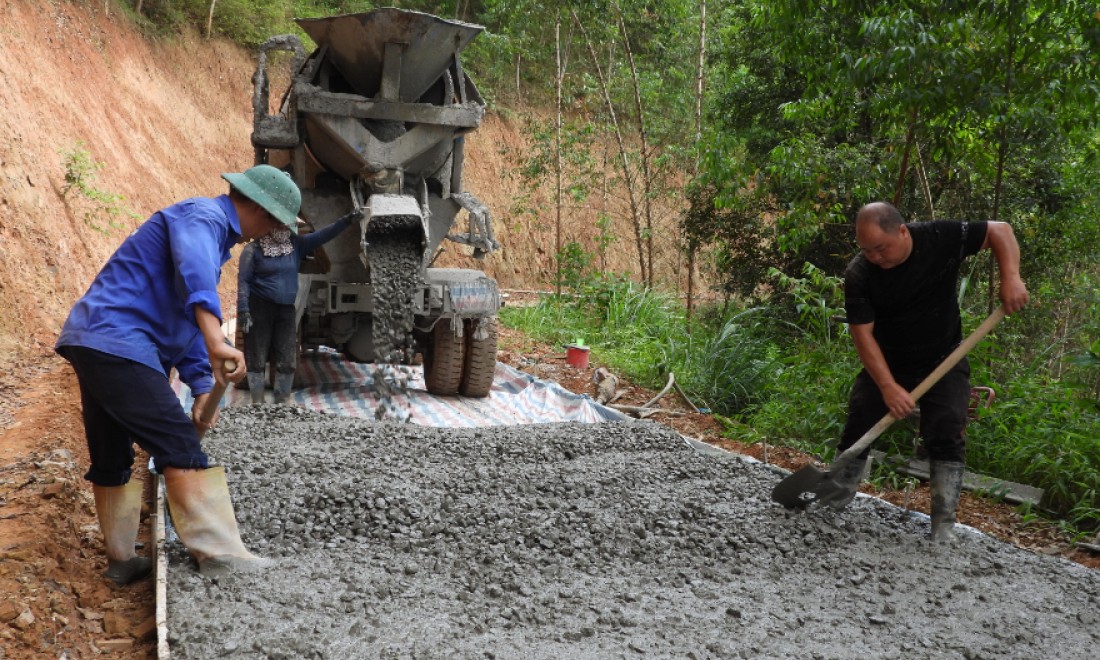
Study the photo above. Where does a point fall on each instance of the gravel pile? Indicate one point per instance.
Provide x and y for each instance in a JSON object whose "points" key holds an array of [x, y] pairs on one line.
{"points": [[609, 540]]}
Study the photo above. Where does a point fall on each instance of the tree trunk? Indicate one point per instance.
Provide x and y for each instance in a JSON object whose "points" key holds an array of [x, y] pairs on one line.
{"points": [[558, 78], [624, 158], [647, 179], [1002, 151], [210, 18], [137, 7], [699, 79], [922, 177], [519, 96], [899, 187]]}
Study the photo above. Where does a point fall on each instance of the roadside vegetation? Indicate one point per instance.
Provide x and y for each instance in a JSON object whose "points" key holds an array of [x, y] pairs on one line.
{"points": [[726, 148], [780, 371], [81, 190]]}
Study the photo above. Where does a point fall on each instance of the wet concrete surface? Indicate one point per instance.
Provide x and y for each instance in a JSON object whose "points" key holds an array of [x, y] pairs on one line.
{"points": [[566, 541]]}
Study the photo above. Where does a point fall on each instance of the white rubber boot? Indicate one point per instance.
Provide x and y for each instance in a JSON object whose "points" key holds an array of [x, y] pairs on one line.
{"points": [[202, 513], [945, 481], [119, 512]]}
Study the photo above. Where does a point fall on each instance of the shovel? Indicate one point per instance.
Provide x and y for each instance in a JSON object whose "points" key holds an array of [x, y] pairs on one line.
{"points": [[806, 486]]}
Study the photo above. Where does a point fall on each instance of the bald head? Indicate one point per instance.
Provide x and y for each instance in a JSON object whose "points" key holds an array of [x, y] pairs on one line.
{"points": [[884, 215], [882, 235]]}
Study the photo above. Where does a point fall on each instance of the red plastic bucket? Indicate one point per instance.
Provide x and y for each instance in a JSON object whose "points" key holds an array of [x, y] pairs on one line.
{"points": [[577, 356]]}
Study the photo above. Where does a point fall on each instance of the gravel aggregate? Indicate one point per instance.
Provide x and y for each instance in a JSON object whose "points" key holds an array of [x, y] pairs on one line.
{"points": [[581, 541]]}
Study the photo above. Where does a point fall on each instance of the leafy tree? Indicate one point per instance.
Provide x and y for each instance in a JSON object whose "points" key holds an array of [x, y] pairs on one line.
{"points": [[958, 109]]}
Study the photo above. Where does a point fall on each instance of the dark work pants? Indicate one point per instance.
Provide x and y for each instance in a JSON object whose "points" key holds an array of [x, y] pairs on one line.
{"points": [[272, 334], [127, 403], [943, 412]]}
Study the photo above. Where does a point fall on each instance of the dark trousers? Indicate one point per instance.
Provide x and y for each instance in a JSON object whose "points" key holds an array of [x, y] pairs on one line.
{"points": [[943, 412], [273, 334], [127, 403]]}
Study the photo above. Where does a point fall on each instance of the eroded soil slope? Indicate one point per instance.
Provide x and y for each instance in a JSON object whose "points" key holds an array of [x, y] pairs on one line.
{"points": [[161, 120]]}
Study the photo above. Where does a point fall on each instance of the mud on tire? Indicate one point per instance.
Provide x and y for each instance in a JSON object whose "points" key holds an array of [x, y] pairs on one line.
{"points": [[443, 360], [481, 358]]}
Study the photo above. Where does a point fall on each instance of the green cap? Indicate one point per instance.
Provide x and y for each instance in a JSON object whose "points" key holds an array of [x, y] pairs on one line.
{"points": [[271, 188]]}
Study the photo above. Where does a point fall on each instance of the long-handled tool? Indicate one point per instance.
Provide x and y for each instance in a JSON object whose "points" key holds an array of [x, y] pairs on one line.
{"points": [[210, 408], [810, 484]]}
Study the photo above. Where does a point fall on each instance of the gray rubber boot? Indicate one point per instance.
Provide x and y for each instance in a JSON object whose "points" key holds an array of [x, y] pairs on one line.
{"points": [[256, 386], [284, 383], [946, 484], [119, 512], [847, 479], [202, 513]]}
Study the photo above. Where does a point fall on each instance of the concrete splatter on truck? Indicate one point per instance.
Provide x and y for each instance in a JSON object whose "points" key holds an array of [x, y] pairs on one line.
{"points": [[374, 119]]}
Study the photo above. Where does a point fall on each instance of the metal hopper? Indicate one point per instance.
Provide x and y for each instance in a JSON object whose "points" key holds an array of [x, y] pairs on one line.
{"points": [[357, 46]]}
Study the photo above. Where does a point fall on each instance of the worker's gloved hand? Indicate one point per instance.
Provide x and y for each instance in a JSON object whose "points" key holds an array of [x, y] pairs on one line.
{"points": [[355, 216], [244, 320]]}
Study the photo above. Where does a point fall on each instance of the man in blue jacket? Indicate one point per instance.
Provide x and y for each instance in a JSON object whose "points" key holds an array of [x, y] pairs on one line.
{"points": [[154, 307]]}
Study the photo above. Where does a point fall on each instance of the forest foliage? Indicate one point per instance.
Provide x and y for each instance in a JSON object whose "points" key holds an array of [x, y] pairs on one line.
{"points": [[768, 123], [976, 109]]}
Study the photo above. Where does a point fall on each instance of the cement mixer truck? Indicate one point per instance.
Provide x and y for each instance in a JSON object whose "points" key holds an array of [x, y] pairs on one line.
{"points": [[375, 120]]}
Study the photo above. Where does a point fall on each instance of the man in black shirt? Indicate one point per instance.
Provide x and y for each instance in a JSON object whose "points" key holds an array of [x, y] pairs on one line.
{"points": [[903, 314]]}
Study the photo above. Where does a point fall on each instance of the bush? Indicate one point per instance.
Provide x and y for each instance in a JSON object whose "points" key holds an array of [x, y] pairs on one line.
{"points": [[729, 365], [806, 403], [1038, 433], [81, 191]]}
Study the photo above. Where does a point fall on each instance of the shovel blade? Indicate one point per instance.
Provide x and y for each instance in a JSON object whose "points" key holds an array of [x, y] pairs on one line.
{"points": [[808, 486], [798, 489]]}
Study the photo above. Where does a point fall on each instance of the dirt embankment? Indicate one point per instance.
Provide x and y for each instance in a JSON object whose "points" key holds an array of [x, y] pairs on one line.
{"points": [[164, 119]]}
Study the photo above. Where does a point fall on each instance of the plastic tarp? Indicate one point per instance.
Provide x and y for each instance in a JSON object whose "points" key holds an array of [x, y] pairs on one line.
{"points": [[326, 382]]}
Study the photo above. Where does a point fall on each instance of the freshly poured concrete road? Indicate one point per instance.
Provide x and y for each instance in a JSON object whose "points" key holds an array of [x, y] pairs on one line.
{"points": [[587, 541]]}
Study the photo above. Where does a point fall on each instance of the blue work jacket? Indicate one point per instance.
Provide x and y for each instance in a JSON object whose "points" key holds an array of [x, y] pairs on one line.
{"points": [[141, 305]]}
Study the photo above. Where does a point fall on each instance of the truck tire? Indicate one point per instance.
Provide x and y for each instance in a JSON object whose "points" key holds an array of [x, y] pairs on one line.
{"points": [[481, 358], [443, 360]]}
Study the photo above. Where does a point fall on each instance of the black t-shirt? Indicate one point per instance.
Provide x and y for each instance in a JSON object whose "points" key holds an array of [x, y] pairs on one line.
{"points": [[914, 305]]}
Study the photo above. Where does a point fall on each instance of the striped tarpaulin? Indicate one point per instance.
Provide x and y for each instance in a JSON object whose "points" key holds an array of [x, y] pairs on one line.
{"points": [[326, 382]]}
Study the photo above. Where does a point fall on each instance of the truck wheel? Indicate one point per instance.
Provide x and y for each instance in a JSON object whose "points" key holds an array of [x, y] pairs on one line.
{"points": [[443, 361], [481, 358]]}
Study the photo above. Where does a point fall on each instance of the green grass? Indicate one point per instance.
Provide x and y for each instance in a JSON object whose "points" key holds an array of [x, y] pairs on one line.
{"points": [[1041, 432], [724, 363]]}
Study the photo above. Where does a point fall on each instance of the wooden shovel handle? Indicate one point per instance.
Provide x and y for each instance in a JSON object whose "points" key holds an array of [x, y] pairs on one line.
{"points": [[920, 390], [210, 408]]}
